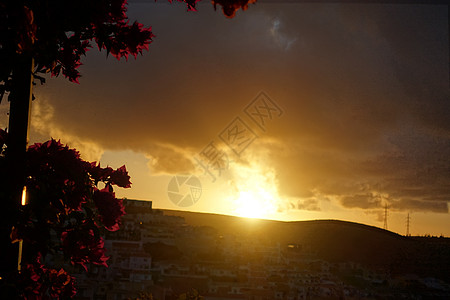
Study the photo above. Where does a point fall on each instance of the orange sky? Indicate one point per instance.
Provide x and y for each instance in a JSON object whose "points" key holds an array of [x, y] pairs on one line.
{"points": [[359, 119]]}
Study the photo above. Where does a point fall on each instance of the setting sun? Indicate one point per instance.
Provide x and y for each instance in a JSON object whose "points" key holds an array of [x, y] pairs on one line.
{"points": [[255, 190], [254, 204]]}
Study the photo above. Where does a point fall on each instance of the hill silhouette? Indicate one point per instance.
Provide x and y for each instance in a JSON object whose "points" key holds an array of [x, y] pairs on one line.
{"points": [[340, 241]]}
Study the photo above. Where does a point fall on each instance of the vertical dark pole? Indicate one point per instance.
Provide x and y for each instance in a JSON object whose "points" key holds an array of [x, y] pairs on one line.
{"points": [[19, 117]]}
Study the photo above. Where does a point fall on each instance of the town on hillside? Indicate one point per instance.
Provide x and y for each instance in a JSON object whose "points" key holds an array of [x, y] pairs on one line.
{"points": [[161, 255]]}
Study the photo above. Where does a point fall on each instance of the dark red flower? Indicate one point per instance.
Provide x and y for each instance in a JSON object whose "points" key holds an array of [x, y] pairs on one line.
{"points": [[128, 40], [36, 281], [229, 7], [76, 195], [56, 175], [117, 177], [83, 246], [33, 276], [110, 208], [121, 178], [98, 173], [62, 285]]}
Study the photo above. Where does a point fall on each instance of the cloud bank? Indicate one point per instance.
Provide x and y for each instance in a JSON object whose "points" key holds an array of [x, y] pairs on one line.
{"points": [[364, 89]]}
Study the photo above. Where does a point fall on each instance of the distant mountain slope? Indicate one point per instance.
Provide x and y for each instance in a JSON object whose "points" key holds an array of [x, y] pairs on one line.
{"points": [[340, 241]]}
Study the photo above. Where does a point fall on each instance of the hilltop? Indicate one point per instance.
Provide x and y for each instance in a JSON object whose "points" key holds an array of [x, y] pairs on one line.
{"points": [[339, 241]]}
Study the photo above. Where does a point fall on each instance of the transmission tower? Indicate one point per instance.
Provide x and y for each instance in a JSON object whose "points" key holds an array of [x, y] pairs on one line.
{"points": [[385, 226], [408, 219]]}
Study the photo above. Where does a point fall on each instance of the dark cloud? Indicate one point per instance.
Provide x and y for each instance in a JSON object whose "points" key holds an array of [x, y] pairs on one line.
{"points": [[364, 89], [419, 205], [366, 201], [308, 204]]}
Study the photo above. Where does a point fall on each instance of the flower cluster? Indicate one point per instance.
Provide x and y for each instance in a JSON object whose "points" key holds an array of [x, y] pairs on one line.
{"points": [[117, 177], [57, 176], [58, 33], [83, 245], [110, 208], [61, 182], [65, 215], [40, 282]]}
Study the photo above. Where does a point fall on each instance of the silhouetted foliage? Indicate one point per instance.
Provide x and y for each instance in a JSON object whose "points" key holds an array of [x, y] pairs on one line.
{"points": [[64, 216], [57, 33]]}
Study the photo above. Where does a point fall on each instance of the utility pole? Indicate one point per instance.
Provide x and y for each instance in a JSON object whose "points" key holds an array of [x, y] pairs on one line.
{"points": [[19, 124], [408, 219], [385, 226]]}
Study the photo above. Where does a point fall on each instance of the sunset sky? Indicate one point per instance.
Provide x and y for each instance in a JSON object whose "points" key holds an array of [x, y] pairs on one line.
{"points": [[355, 102]]}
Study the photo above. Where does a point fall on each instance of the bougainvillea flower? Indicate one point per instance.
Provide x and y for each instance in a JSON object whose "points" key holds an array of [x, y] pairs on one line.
{"points": [[117, 177], [32, 277], [110, 208], [229, 7], [121, 178], [98, 173], [38, 281], [82, 246], [57, 176], [62, 284]]}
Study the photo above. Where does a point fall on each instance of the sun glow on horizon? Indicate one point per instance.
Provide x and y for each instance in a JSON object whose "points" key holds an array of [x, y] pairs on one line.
{"points": [[255, 191], [254, 204]]}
